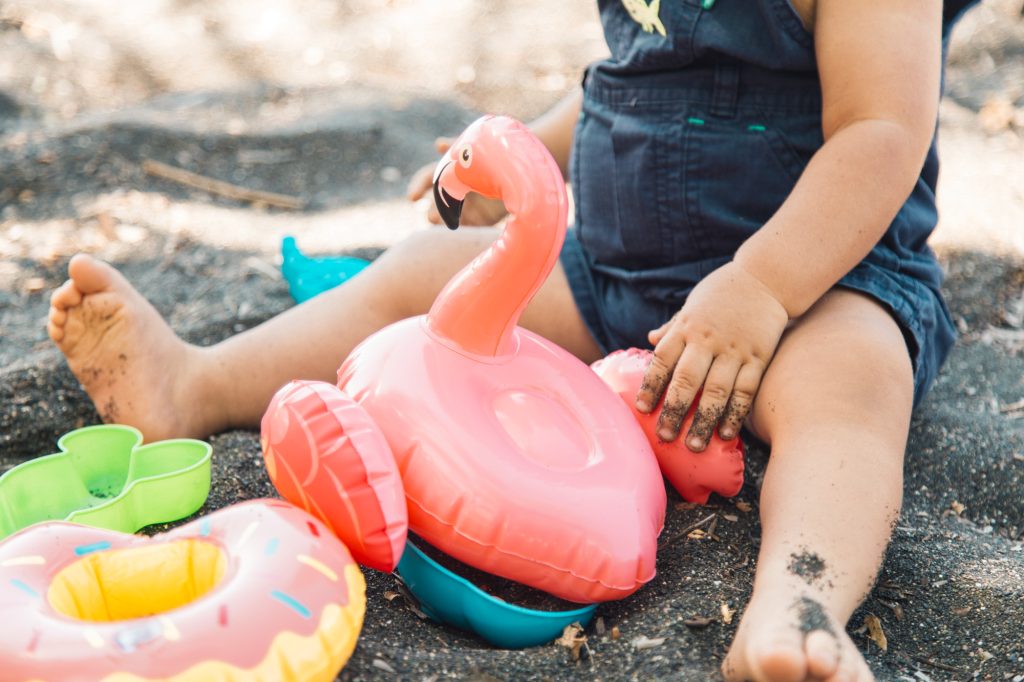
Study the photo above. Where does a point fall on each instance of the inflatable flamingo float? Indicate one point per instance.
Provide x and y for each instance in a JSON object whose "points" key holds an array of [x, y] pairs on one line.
{"points": [[513, 455]]}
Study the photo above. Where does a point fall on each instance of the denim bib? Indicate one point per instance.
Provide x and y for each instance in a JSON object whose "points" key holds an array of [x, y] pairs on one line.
{"points": [[692, 134]]}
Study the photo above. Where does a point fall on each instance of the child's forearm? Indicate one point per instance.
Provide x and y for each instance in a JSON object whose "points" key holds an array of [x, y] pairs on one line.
{"points": [[555, 127], [841, 206], [880, 64]]}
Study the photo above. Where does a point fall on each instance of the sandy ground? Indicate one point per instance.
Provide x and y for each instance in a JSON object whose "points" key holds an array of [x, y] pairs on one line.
{"points": [[337, 103]]}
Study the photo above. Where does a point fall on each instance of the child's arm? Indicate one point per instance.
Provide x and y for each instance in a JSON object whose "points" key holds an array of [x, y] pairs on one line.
{"points": [[880, 64], [554, 128]]}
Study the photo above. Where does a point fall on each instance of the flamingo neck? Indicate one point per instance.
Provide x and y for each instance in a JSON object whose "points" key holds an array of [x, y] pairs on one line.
{"points": [[478, 310]]}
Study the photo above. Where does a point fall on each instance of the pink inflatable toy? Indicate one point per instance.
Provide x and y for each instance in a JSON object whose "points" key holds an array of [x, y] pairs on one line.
{"points": [[256, 591], [325, 454], [515, 457], [719, 468]]}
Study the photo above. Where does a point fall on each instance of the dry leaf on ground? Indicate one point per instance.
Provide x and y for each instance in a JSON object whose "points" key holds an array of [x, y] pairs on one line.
{"points": [[875, 633], [896, 608], [744, 506], [573, 639], [698, 622], [727, 613]]}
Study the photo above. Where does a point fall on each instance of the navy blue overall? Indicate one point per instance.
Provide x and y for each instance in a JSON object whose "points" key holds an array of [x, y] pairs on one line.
{"points": [[692, 134]]}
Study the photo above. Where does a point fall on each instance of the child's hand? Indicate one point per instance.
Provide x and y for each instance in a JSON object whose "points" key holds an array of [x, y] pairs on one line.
{"points": [[722, 339], [477, 210]]}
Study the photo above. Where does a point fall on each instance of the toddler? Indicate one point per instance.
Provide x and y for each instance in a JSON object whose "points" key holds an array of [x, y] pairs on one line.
{"points": [[754, 181]]}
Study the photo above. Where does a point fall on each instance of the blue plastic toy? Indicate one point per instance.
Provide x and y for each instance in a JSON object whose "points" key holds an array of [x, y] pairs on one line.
{"points": [[308, 277], [449, 598]]}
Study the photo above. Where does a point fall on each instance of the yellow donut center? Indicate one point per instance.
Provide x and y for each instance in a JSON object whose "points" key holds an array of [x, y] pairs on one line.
{"points": [[134, 583]]}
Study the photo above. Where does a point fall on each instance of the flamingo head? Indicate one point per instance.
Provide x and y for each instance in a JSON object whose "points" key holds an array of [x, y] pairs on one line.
{"points": [[476, 162]]}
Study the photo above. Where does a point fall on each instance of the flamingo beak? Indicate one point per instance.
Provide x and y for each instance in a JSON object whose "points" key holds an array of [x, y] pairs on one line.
{"points": [[448, 206]]}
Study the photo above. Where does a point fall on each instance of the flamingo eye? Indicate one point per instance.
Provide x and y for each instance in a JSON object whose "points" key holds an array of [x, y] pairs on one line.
{"points": [[466, 156]]}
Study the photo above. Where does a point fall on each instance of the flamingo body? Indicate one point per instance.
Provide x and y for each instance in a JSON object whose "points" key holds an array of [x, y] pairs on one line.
{"points": [[526, 466]]}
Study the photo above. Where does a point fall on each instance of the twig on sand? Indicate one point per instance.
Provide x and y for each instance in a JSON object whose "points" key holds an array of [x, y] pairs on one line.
{"points": [[686, 531], [1012, 407], [220, 187], [937, 664]]}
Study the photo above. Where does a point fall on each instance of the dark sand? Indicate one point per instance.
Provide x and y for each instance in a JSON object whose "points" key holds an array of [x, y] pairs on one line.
{"points": [[950, 598]]}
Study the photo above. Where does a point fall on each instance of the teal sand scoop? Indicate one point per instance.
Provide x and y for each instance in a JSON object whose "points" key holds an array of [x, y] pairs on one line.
{"points": [[450, 598], [308, 276]]}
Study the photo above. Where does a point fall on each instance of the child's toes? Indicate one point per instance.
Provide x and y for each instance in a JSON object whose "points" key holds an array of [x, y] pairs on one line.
{"points": [[851, 666], [58, 316], [765, 649], [779, 659], [822, 651], [55, 324], [846, 672], [66, 296]]}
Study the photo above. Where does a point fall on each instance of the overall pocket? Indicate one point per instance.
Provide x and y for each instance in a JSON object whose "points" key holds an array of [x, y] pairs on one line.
{"points": [[648, 151], [741, 174]]}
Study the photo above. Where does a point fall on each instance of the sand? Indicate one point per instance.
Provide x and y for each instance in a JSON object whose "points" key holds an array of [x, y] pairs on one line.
{"points": [[337, 104]]}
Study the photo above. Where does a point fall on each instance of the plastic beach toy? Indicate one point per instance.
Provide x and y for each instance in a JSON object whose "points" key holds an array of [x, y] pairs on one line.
{"points": [[308, 276], [105, 477], [719, 468], [514, 456], [449, 598], [257, 591], [323, 453]]}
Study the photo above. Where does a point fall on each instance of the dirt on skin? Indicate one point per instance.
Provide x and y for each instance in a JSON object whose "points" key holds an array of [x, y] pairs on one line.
{"points": [[811, 616], [807, 565], [337, 104], [705, 421]]}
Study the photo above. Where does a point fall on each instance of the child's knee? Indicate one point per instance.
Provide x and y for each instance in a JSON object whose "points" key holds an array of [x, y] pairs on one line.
{"points": [[839, 368]]}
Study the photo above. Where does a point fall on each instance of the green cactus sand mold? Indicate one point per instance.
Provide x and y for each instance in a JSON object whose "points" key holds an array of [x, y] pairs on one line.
{"points": [[105, 477]]}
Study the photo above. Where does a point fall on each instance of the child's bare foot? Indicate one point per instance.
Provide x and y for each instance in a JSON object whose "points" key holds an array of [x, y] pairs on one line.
{"points": [[786, 635], [134, 368]]}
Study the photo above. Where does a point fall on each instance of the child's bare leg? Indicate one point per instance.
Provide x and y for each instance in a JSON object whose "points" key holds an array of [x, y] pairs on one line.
{"points": [[835, 407], [138, 372]]}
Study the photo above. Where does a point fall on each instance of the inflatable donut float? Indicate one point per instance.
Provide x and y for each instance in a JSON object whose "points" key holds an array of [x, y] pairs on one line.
{"points": [[719, 468], [257, 591]]}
